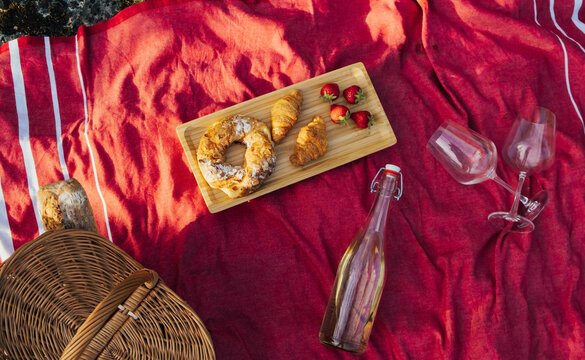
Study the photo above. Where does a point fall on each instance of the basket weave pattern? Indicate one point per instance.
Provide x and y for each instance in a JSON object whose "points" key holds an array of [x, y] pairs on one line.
{"points": [[60, 298]]}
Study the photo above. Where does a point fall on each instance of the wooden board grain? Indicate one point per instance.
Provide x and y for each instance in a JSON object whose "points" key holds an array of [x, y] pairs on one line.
{"points": [[346, 143]]}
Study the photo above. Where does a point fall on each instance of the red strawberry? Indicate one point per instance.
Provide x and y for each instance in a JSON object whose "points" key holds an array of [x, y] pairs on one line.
{"points": [[363, 119], [329, 92], [339, 113], [353, 94]]}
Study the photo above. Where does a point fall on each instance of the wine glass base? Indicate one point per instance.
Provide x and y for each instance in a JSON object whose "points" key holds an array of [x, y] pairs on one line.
{"points": [[537, 204], [520, 224]]}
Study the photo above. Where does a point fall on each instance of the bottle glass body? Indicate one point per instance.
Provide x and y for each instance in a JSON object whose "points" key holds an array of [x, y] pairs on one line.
{"points": [[359, 281]]}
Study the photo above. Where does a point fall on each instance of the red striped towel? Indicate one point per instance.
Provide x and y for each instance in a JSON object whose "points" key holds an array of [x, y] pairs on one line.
{"points": [[103, 107]]}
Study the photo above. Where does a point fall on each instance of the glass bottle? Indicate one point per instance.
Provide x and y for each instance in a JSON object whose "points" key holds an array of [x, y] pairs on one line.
{"points": [[359, 281]]}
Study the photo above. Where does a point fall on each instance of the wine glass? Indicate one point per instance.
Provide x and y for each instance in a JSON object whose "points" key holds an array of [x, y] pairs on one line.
{"points": [[529, 148], [472, 158]]}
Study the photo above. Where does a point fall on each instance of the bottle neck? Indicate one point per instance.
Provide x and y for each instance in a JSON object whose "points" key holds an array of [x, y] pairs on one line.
{"points": [[383, 201]]}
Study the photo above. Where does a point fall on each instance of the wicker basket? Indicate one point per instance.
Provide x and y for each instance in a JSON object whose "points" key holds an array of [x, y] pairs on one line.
{"points": [[72, 294]]}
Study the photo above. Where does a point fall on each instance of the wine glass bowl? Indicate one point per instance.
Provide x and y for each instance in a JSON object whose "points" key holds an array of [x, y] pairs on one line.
{"points": [[529, 146], [468, 156]]}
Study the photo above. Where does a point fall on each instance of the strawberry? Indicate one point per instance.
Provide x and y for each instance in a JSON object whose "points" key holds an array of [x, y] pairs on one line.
{"points": [[339, 113], [329, 92], [363, 119], [353, 94]]}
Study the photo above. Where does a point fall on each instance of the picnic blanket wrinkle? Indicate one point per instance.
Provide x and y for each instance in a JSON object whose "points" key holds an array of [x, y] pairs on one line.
{"points": [[103, 107]]}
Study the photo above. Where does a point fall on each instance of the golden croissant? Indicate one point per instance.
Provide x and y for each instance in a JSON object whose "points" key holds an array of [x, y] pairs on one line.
{"points": [[311, 143], [285, 113]]}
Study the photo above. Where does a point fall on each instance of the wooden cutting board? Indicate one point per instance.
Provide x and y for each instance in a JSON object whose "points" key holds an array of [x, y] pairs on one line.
{"points": [[346, 143]]}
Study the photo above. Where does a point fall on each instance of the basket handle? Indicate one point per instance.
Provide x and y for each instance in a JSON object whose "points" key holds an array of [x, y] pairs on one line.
{"points": [[105, 309]]}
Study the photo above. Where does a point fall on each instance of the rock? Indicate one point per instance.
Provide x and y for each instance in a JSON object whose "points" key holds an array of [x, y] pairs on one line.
{"points": [[54, 17]]}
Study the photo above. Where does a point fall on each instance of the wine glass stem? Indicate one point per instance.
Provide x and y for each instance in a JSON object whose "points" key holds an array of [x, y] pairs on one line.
{"points": [[514, 210], [523, 199]]}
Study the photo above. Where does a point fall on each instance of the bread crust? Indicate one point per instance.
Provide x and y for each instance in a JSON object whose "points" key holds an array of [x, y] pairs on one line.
{"points": [[259, 158], [285, 113], [311, 142]]}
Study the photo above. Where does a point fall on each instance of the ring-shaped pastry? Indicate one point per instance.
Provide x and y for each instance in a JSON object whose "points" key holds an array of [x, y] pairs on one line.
{"points": [[259, 159]]}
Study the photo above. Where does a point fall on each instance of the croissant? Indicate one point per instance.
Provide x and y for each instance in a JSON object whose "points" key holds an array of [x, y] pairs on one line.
{"points": [[285, 113], [311, 143]]}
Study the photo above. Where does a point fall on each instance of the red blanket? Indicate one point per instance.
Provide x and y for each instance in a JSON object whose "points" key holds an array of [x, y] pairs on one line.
{"points": [[103, 107]]}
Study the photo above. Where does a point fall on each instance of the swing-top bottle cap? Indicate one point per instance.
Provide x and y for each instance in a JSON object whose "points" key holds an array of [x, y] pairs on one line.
{"points": [[393, 168]]}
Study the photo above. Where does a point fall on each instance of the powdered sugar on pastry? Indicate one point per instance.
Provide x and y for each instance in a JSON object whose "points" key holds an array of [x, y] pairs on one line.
{"points": [[260, 157]]}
